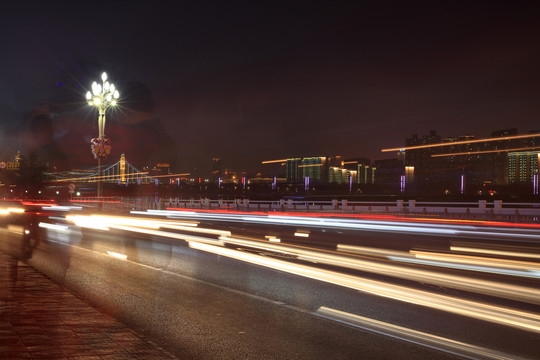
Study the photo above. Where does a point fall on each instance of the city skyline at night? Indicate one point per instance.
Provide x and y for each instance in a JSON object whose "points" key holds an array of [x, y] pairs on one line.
{"points": [[501, 142], [248, 82], [270, 179]]}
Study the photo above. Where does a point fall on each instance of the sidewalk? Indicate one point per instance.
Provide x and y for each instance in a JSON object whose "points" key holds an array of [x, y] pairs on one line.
{"points": [[41, 320]]}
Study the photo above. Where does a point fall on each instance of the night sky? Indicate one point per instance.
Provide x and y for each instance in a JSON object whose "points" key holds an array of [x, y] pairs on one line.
{"points": [[254, 81]]}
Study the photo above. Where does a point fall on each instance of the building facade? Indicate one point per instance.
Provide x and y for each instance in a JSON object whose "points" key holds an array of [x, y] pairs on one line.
{"points": [[452, 164], [523, 166], [329, 170]]}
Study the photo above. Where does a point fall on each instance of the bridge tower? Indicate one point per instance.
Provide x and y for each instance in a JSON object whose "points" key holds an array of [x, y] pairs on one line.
{"points": [[123, 169]]}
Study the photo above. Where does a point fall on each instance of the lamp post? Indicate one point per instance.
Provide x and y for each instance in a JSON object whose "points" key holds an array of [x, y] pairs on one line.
{"points": [[102, 96]]}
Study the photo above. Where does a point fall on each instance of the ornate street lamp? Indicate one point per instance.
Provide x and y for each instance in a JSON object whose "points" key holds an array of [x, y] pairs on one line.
{"points": [[103, 96]]}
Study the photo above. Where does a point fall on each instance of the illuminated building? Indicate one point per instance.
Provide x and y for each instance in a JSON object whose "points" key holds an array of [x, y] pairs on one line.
{"points": [[326, 170], [315, 168], [522, 166], [409, 175], [455, 163], [363, 172], [297, 169], [292, 170], [366, 174], [338, 175]]}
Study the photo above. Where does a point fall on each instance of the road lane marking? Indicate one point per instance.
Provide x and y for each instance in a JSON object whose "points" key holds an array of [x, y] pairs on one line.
{"points": [[417, 337]]}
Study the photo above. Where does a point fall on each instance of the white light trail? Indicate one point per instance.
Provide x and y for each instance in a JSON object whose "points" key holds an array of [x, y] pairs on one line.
{"points": [[88, 222], [53, 226], [195, 229], [369, 251], [500, 265], [11, 210], [505, 316], [455, 230], [61, 208], [469, 267], [507, 291], [495, 252], [168, 234], [117, 255], [272, 238]]}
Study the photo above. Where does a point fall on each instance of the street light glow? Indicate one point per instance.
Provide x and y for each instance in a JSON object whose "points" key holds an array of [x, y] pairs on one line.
{"points": [[103, 96]]}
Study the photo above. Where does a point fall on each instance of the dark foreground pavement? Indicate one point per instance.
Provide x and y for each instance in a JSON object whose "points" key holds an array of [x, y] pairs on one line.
{"points": [[42, 320]]}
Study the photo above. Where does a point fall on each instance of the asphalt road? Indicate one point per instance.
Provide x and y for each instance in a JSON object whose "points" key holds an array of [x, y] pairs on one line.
{"points": [[259, 288]]}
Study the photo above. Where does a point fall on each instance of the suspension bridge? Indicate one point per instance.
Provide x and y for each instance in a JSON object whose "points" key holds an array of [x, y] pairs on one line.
{"points": [[121, 172]]}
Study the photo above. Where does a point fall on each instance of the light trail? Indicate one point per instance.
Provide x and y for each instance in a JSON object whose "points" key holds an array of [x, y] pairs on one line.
{"points": [[495, 252], [104, 222], [307, 221], [496, 314], [143, 226], [167, 234], [224, 241], [425, 339], [453, 143], [117, 255], [223, 213], [93, 178], [369, 251], [272, 238], [470, 267], [493, 288], [56, 227], [480, 261], [88, 222], [455, 230], [463, 262], [194, 229], [170, 175], [11, 210], [486, 151], [62, 208], [274, 161]]}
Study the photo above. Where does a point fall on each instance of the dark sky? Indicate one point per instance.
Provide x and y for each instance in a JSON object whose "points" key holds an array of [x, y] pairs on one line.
{"points": [[253, 81]]}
